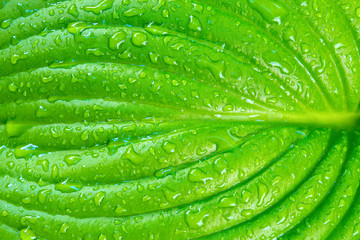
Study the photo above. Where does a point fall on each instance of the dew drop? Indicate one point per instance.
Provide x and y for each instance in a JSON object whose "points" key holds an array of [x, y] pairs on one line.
{"points": [[357, 12], [139, 39], [247, 212], [119, 210], [6, 23], [68, 187], [77, 27], [159, 5], [132, 156], [44, 164], [305, 48], [27, 234], [63, 228], [47, 79], [42, 195], [73, 10], [85, 135], [41, 112], [99, 197], [72, 159], [169, 60], [227, 202], [5, 213], [194, 24], [196, 219], [102, 237], [116, 40], [12, 87], [133, 12], [196, 175], [100, 7], [270, 10], [169, 147], [228, 108], [16, 57], [25, 151], [154, 57]]}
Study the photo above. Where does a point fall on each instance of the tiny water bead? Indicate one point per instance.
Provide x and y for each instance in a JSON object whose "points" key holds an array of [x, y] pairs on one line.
{"points": [[116, 40], [139, 39], [271, 10], [100, 7]]}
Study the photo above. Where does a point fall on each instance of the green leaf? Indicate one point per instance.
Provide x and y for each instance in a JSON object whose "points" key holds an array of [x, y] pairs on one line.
{"points": [[173, 119]]}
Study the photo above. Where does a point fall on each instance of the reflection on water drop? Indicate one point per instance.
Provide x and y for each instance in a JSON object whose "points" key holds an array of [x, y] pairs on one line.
{"points": [[270, 10], [100, 7]]}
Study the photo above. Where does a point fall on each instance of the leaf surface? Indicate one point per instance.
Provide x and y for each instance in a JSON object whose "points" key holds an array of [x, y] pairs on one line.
{"points": [[173, 119]]}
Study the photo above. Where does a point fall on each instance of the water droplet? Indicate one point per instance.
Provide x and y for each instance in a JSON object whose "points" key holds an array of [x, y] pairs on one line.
{"points": [[42, 195], [25, 151], [171, 195], [44, 164], [100, 7], [47, 79], [132, 80], [134, 12], [289, 34], [305, 48], [169, 147], [159, 5], [132, 156], [68, 187], [85, 135], [116, 40], [63, 228], [262, 190], [196, 175], [16, 57], [228, 108], [227, 202], [220, 165], [5, 213], [12, 87], [98, 198], [175, 83], [170, 60], [78, 27], [102, 237], [247, 212], [27, 234], [270, 10], [94, 51], [194, 24], [6, 23], [41, 112], [26, 200], [357, 12], [216, 66], [54, 171], [120, 210], [154, 57], [139, 39], [73, 10], [72, 159], [196, 219]]}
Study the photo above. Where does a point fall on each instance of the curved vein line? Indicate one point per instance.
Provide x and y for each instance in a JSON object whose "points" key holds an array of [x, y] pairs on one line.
{"points": [[356, 43], [291, 52], [170, 208], [80, 64], [208, 44]]}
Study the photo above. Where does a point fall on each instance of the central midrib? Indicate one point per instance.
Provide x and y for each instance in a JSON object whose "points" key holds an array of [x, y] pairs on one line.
{"points": [[343, 120]]}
